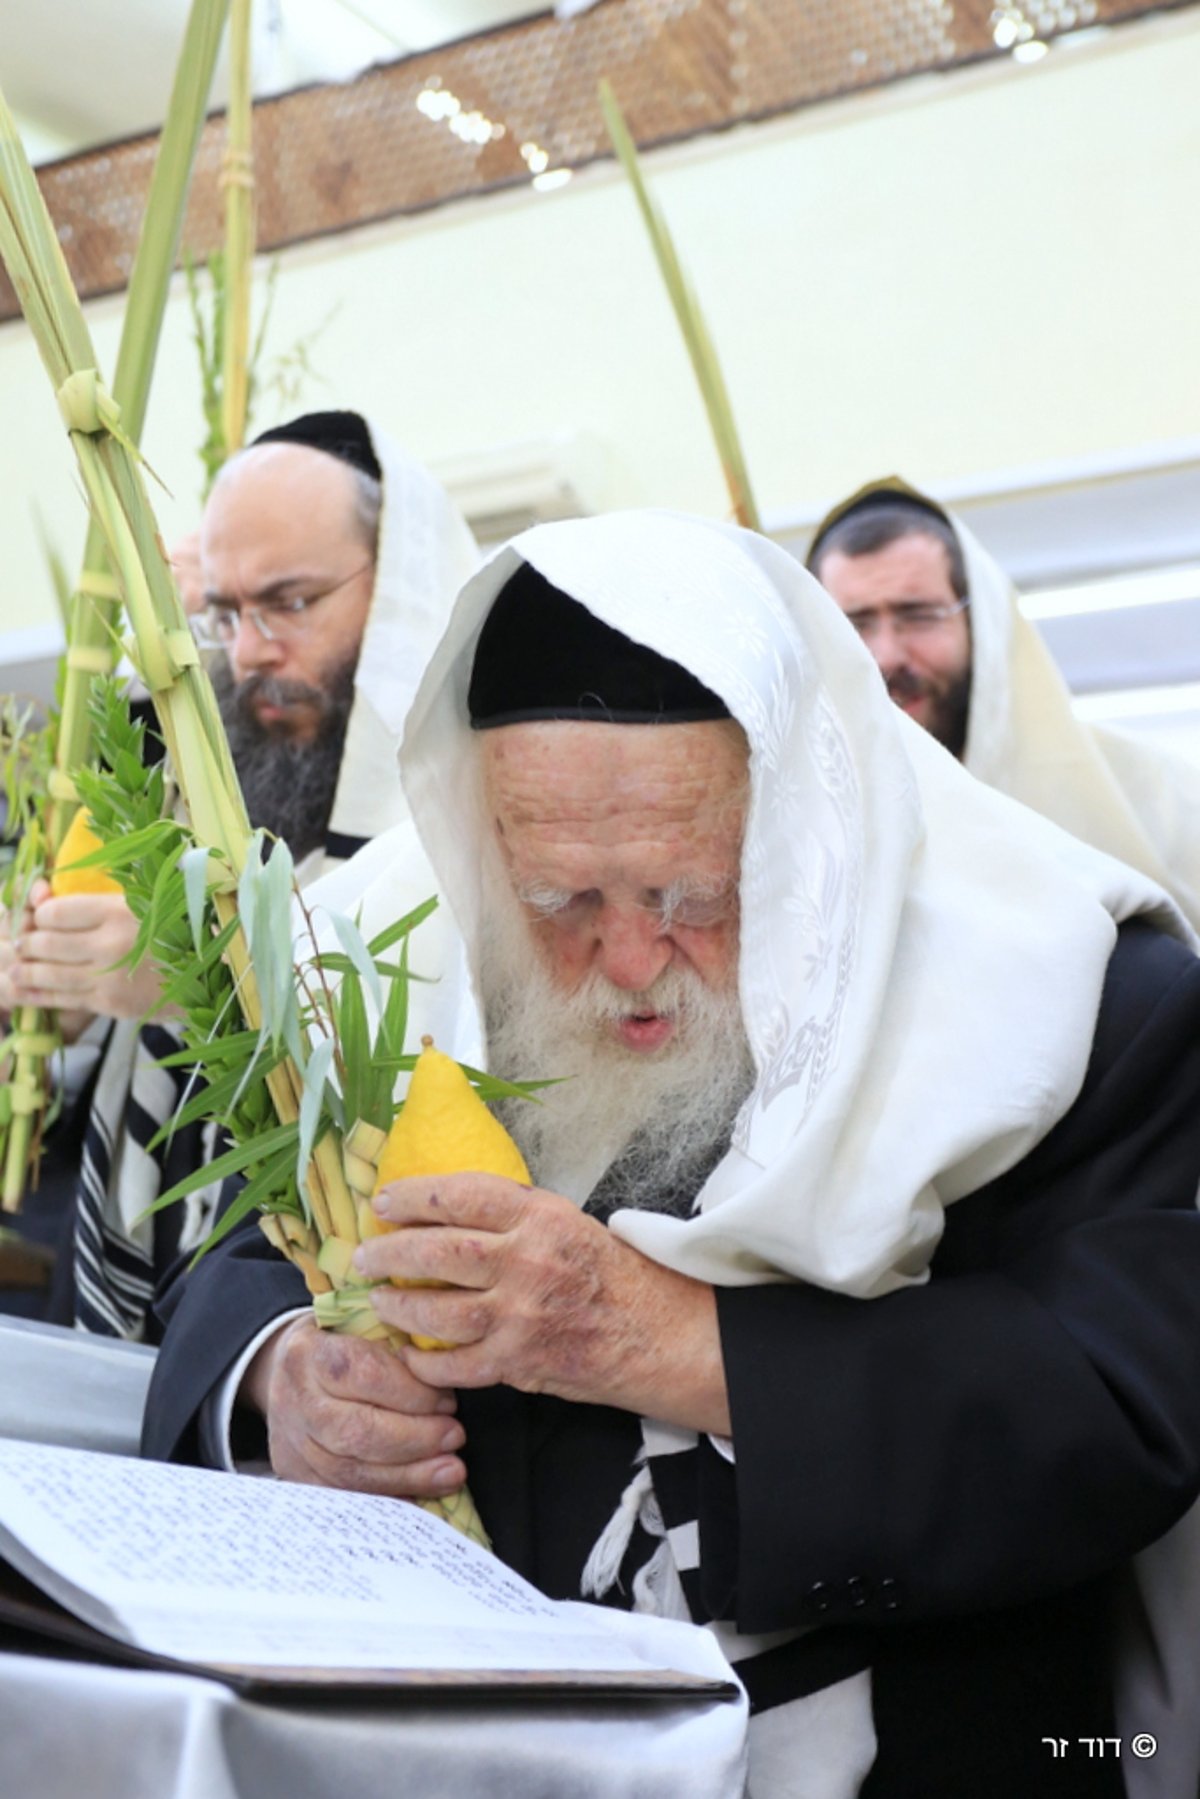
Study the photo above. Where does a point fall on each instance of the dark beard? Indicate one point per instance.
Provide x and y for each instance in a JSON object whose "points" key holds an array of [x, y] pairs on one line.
{"points": [[289, 787], [951, 705]]}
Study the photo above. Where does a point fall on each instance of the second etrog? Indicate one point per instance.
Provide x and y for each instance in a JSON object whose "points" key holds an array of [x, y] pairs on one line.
{"points": [[80, 840]]}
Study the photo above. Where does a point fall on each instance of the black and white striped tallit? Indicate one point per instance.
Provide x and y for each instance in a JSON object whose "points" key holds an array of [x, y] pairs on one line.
{"points": [[119, 1253], [809, 1688]]}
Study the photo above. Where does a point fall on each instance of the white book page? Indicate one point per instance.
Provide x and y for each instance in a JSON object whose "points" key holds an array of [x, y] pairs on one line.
{"points": [[228, 1568]]}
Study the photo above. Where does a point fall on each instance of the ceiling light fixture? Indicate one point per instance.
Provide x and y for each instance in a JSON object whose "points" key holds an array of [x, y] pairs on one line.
{"points": [[1137, 702], [1115, 593]]}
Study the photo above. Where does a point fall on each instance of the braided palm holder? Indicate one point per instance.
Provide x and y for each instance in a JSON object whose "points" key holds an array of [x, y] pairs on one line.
{"points": [[341, 1302]]}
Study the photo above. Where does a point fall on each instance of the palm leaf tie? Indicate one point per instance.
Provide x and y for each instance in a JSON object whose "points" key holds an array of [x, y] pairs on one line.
{"points": [[237, 168], [92, 659], [61, 786], [88, 407]]}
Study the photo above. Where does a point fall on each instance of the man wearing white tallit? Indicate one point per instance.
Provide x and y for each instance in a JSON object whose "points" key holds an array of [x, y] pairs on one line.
{"points": [[943, 623], [828, 1321], [328, 563]]}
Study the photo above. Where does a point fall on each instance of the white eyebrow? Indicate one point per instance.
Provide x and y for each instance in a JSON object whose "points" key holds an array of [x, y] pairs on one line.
{"points": [[688, 891], [692, 889], [543, 899]]}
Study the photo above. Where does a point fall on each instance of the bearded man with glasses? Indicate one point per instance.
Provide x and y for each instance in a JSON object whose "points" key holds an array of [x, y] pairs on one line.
{"points": [[287, 565], [897, 572], [943, 623], [328, 561]]}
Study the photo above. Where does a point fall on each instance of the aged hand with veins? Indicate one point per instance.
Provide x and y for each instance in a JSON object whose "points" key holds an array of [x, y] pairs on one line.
{"points": [[545, 1299], [346, 1412]]}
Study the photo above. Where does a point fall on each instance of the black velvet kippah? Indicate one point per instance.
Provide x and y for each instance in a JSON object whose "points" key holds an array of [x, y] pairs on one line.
{"points": [[541, 655], [340, 434], [893, 490]]}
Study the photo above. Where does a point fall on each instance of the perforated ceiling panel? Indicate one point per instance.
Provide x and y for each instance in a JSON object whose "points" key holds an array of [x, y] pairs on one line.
{"points": [[520, 102]]}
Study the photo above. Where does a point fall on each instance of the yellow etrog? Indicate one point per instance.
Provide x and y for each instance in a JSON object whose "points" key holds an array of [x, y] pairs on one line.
{"points": [[443, 1127], [79, 841]]}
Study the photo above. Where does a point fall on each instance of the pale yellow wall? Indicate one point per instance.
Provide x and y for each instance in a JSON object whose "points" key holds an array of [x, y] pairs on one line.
{"points": [[971, 272]]}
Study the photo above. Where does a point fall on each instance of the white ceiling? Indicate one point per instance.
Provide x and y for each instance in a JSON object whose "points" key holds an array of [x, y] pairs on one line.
{"points": [[77, 75]]}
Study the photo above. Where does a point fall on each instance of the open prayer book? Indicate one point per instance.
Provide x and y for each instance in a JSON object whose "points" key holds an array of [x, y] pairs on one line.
{"points": [[268, 1585]]}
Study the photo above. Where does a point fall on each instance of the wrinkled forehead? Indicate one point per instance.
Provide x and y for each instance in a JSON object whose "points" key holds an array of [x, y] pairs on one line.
{"points": [[560, 780]]}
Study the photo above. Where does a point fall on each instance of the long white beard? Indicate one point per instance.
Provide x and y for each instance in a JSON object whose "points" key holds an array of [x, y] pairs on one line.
{"points": [[666, 1116]]}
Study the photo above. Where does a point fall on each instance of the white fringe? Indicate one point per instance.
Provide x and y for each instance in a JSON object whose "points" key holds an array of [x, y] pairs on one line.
{"points": [[636, 1504]]}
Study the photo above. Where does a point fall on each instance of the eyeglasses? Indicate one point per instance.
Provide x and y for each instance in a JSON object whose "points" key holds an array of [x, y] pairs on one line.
{"points": [[279, 621], [915, 619]]}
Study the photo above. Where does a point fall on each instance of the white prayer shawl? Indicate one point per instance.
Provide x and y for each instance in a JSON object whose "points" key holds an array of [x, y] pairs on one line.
{"points": [[906, 932], [921, 965], [1122, 795], [425, 553]]}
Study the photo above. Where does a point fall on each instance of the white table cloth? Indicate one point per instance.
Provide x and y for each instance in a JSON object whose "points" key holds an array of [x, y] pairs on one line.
{"points": [[73, 1728], [61, 1386]]}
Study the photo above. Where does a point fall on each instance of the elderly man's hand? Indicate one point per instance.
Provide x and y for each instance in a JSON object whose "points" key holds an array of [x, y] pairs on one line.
{"points": [[63, 957], [543, 1298], [346, 1412]]}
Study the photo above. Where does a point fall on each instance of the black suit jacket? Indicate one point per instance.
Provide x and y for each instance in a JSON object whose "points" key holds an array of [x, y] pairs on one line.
{"points": [[950, 1480]]}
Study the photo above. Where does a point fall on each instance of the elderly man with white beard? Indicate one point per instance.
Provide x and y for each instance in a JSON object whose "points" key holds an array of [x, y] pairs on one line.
{"points": [[856, 1312]]}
